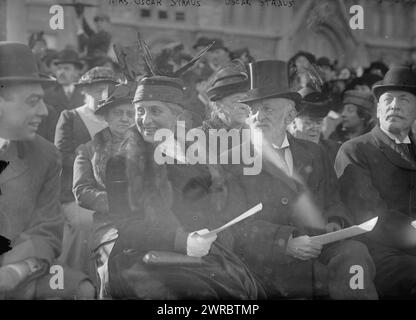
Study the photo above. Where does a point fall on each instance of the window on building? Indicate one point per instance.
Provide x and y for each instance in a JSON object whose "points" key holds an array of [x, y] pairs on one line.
{"points": [[145, 13], [180, 16], [163, 14]]}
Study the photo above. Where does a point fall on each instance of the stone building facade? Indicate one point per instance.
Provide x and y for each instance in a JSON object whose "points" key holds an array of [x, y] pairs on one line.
{"points": [[270, 28]]}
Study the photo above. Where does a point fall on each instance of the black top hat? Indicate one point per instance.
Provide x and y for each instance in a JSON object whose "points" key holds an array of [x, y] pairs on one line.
{"points": [[122, 93], [69, 56], [314, 104], [18, 64], [269, 79], [228, 80], [401, 78]]}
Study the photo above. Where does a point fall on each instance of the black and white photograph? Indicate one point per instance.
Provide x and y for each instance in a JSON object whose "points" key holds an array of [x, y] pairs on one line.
{"points": [[221, 152]]}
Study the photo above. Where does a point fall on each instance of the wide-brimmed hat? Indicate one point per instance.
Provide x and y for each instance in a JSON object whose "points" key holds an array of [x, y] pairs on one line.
{"points": [[122, 93], [69, 56], [18, 64], [401, 78], [361, 99], [269, 79], [97, 75], [314, 103], [228, 80]]}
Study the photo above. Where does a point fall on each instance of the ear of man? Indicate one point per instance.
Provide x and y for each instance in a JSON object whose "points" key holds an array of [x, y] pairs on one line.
{"points": [[291, 114]]}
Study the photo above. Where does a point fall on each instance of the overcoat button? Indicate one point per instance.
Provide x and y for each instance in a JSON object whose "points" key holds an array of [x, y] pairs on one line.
{"points": [[194, 217], [285, 201]]}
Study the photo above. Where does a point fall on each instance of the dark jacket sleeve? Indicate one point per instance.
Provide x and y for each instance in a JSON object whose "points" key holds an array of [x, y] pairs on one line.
{"points": [[43, 235], [364, 201], [65, 142], [255, 239], [87, 192], [334, 209]]}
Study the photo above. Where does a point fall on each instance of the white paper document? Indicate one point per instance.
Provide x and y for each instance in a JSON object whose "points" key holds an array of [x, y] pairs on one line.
{"points": [[413, 224], [241, 217], [346, 233]]}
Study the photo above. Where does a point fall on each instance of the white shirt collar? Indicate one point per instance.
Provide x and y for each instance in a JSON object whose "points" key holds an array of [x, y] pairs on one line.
{"points": [[285, 143], [397, 141]]}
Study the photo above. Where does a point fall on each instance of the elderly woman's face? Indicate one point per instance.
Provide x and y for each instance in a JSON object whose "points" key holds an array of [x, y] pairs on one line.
{"points": [[152, 116], [120, 118]]}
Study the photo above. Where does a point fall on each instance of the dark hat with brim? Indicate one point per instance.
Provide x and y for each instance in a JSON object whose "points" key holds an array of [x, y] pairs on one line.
{"points": [[18, 64], [122, 94], [314, 104], [68, 56], [269, 79], [361, 99], [228, 80], [97, 75], [398, 78]]}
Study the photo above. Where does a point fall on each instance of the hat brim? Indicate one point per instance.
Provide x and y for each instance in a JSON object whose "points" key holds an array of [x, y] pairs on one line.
{"points": [[83, 84], [255, 95], [102, 109], [27, 80], [219, 92], [378, 90]]}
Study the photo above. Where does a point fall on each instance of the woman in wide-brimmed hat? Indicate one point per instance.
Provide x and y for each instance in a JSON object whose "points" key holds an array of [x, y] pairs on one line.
{"points": [[76, 127]]}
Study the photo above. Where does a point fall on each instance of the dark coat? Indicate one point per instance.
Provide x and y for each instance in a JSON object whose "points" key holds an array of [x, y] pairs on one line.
{"points": [[70, 133], [30, 212], [298, 206], [89, 171], [331, 148], [57, 101], [169, 202], [317, 172], [55, 96], [378, 179]]}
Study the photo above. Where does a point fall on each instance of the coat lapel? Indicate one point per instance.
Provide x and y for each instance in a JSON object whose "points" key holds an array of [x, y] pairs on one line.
{"points": [[301, 158], [392, 150], [17, 162]]}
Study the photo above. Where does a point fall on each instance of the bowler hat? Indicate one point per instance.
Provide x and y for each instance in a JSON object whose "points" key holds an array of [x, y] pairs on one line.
{"points": [[97, 75], [361, 99], [18, 64], [228, 80], [69, 56], [218, 44], [314, 104], [269, 79], [401, 78], [122, 93]]}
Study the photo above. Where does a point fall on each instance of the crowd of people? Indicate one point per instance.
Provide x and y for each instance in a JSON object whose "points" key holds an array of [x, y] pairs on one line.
{"points": [[82, 189]]}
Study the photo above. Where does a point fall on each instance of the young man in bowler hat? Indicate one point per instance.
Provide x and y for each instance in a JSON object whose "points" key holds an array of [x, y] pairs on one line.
{"points": [[377, 172], [30, 212], [276, 243]]}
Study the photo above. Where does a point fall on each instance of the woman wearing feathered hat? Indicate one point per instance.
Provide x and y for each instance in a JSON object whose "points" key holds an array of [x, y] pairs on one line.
{"points": [[169, 203]]}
